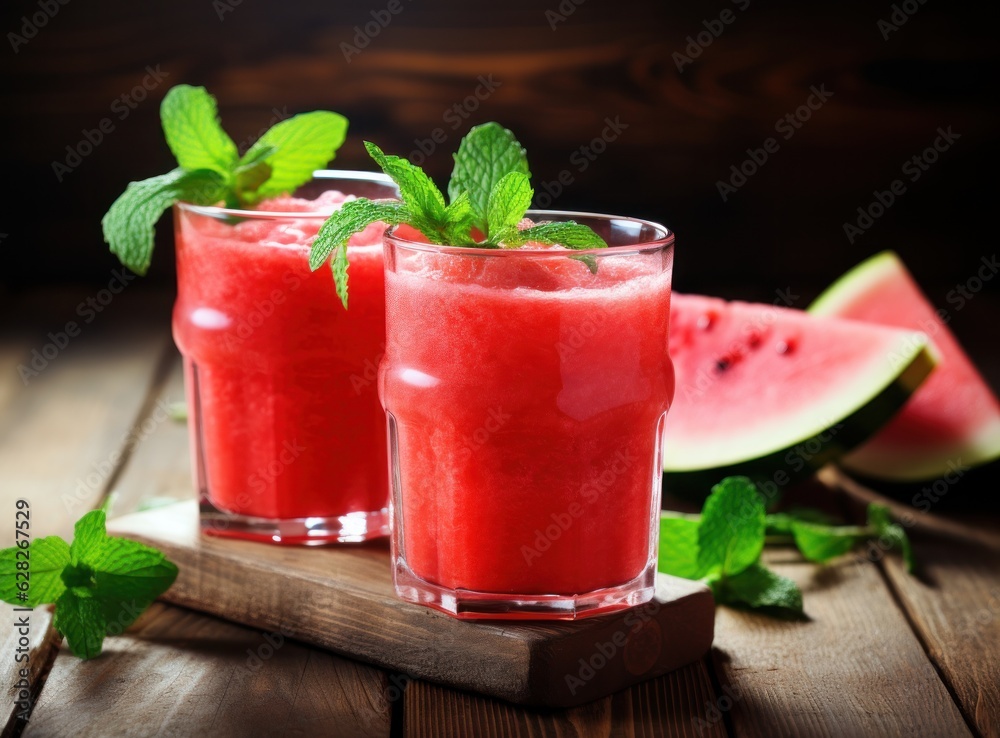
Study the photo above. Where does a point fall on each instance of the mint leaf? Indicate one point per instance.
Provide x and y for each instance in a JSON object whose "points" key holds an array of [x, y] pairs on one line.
{"points": [[588, 260], [353, 216], [781, 523], [191, 125], [89, 534], [509, 199], [100, 584], [759, 587], [48, 557], [300, 145], [821, 543], [678, 553], [731, 533], [423, 199], [42, 563], [458, 222], [82, 623], [251, 172], [487, 153], [880, 519], [565, 233], [128, 224]]}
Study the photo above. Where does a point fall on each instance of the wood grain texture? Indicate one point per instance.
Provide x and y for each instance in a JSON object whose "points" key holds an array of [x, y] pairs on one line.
{"points": [[180, 673], [675, 704], [854, 669], [955, 607], [64, 435], [71, 420], [39, 646], [982, 529], [342, 598], [954, 600], [159, 469]]}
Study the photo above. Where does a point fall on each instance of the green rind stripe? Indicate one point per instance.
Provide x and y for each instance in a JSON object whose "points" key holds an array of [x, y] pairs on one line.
{"points": [[830, 444]]}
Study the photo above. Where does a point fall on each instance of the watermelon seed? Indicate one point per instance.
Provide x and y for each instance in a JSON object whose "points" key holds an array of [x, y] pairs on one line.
{"points": [[721, 365], [706, 321], [753, 339], [786, 346]]}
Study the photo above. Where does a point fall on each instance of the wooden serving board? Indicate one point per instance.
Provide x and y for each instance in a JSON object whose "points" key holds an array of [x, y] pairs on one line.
{"points": [[341, 598]]}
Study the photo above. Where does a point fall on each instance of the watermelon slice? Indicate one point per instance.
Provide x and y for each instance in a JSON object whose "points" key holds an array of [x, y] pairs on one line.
{"points": [[954, 419], [776, 393]]}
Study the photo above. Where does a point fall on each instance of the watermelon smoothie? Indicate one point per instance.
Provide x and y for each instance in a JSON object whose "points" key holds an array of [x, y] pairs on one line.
{"points": [[288, 437], [526, 398]]}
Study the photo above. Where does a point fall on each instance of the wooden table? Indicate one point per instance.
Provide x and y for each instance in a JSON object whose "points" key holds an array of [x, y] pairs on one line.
{"points": [[883, 653]]}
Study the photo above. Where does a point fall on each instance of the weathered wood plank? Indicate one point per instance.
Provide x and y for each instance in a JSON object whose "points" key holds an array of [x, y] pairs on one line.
{"points": [[955, 607], [38, 645], [159, 468], [69, 397], [180, 673], [64, 435], [855, 668], [676, 704], [342, 598], [953, 602], [961, 527]]}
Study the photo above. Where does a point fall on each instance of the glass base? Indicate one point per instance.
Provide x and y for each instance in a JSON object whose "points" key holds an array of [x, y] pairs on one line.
{"points": [[355, 527], [472, 605]]}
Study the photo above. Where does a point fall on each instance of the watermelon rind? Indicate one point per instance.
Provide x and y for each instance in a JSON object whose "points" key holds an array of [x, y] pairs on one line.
{"points": [[830, 432], [980, 447]]}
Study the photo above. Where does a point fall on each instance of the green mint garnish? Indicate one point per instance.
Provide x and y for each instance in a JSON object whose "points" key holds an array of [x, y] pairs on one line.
{"points": [[211, 169], [723, 545], [100, 584], [731, 533], [485, 156], [489, 193]]}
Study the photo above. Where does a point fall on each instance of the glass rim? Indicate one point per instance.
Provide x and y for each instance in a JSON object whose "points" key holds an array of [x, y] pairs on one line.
{"points": [[347, 175], [664, 240]]}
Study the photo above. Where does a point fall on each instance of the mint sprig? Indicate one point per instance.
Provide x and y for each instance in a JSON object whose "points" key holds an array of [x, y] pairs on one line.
{"points": [[722, 548], [723, 545], [485, 156], [489, 192], [210, 169], [99, 584]]}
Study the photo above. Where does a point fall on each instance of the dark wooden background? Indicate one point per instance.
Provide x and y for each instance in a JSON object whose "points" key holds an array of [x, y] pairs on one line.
{"points": [[606, 59]]}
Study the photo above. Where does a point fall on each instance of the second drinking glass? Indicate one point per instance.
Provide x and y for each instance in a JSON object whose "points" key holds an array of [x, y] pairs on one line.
{"points": [[288, 437], [526, 391]]}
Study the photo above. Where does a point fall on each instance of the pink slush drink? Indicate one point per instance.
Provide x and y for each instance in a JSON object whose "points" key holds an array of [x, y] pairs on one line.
{"points": [[526, 399], [287, 432]]}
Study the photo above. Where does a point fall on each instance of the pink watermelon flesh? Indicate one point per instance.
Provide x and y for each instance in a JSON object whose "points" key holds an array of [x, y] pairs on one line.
{"points": [[756, 381], [953, 420]]}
